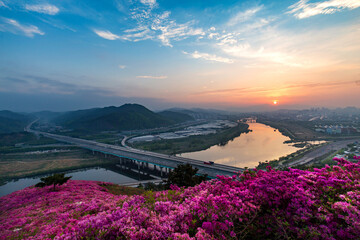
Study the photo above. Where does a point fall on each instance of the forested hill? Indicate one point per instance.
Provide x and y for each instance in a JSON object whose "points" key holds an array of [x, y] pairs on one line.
{"points": [[13, 122], [176, 117], [125, 117]]}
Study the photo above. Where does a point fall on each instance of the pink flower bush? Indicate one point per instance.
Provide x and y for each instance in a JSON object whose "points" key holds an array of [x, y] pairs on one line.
{"points": [[295, 204]]}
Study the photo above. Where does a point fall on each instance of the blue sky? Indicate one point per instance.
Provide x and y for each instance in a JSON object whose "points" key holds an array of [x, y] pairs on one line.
{"points": [[65, 55]]}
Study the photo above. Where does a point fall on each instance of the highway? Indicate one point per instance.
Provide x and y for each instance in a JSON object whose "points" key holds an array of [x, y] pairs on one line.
{"points": [[157, 159]]}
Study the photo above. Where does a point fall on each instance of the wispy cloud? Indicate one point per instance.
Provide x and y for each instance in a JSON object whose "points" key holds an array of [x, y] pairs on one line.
{"points": [[13, 26], [244, 16], [34, 84], [152, 77], [43, 8], [151, 23], [245, 50], [31, 83], [263, 44], [57, 24], [138, 34], [2, 4], [239, 44], [262, 90], [159, 25], [173, 31], [106, 34], [209, 57], [303, 9], [122, 66], [150, 3]]}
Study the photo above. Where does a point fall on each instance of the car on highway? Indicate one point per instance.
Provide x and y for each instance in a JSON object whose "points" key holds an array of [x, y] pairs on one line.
{"points": [[209, 163]]}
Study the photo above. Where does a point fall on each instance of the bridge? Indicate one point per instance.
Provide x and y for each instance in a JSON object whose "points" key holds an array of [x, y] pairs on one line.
{"points": [[143, 158]]}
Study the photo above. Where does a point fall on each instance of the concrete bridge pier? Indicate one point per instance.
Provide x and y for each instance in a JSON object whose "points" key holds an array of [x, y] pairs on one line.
{"points": [[121, 162], [138, 164]]}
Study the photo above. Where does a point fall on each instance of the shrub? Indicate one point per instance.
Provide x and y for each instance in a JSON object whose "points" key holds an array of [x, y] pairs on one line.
{"points": [[56, 179]]}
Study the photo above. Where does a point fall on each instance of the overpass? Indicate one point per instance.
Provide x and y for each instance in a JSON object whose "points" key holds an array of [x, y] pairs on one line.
{"points": [[163, 161]]}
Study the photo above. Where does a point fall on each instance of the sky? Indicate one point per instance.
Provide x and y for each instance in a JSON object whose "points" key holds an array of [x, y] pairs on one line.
{"points": [[64, 55]]}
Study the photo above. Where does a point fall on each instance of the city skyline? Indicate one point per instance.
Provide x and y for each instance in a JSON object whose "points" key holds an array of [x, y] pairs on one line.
{"points": [[66, 55]]}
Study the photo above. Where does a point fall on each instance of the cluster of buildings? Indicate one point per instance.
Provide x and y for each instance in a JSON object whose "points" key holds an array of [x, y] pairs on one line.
{"points": [[338, 129], [203, 129]]}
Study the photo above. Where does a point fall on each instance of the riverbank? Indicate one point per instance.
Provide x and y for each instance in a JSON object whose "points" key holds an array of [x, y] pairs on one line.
{"points": [[193, 143], [299, 131], [313, 156], [282, 162], [293, 130]]}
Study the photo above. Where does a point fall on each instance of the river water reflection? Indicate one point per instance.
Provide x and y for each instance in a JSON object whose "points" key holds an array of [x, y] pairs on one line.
{"points": [[261, 144], [94, 174]]}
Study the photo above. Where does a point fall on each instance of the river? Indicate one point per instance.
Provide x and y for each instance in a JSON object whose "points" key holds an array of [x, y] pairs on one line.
{"points": [[261, 144]]}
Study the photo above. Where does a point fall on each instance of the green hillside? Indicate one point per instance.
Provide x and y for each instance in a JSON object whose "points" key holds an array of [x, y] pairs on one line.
{"points": [[125, 117], [13, 122], [176, 117]]}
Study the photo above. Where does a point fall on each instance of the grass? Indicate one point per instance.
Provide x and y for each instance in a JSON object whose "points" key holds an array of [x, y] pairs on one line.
{"points": [[122, 190], [193, 143], [110, 137], [25, 138]]}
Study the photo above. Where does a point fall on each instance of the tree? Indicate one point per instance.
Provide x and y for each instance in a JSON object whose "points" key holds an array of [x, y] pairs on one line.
{"points": [[185, 176], [56, 179]]}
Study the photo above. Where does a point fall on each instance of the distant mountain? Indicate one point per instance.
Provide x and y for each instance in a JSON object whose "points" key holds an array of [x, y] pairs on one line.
{"points": [[199, 113], [125, 117], [13, 122], [176, 117], [46, 115]]}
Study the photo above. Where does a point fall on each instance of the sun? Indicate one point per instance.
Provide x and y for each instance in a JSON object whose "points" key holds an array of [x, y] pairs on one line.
{"points": [[275, 102]]}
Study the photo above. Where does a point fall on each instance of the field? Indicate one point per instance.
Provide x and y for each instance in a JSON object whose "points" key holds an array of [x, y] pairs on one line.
{"points": [[303, 130], [295, 130], [109, 138], [193, 143]]}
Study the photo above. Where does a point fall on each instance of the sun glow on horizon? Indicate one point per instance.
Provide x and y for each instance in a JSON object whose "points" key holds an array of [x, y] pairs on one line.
{"points": [[275, 102]]}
